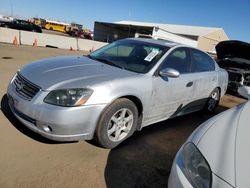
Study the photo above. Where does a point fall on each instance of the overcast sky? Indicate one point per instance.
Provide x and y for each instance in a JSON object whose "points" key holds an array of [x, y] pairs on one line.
{"points": [[233, 16]]}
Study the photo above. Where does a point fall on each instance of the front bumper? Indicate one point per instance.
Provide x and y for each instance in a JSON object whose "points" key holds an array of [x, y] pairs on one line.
{"points": [[55, 122]]}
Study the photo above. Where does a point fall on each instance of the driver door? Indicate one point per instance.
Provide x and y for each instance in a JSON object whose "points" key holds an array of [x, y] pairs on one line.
{"points": [[171, 95]]}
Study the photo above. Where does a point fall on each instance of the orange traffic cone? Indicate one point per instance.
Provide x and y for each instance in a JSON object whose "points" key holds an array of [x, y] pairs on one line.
{"points": [[15, 41], [35, 43]]}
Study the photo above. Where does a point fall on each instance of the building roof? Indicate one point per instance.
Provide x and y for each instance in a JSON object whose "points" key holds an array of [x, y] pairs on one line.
{"points": [[176, 29], [159, 42]]}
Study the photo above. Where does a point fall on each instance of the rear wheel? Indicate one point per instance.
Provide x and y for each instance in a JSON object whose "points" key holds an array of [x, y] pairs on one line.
{"points": [[212, 101], [117, 123]]}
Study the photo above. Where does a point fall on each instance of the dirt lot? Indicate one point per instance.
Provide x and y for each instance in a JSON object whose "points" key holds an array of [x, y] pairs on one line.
{"points": [[28, 160]]}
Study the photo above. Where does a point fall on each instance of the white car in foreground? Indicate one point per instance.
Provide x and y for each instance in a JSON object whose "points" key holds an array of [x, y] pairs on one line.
{"points": [[217, 153]]}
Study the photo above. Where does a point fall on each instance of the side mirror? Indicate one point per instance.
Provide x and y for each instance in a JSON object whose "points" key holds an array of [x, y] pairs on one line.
{"points": [[244, 91], [169, 72]]}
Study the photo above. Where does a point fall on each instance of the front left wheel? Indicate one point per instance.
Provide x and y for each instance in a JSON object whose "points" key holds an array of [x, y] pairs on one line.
{"points": [[117, 123]]}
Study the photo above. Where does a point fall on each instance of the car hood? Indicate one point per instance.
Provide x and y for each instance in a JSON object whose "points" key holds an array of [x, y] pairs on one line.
{"points": [[242, 152], [233, 54], [233, 48], [224, 141], [70, 71]]}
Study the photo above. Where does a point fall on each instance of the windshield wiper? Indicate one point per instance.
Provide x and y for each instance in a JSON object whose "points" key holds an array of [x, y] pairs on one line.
{"points": [[103, 60]]}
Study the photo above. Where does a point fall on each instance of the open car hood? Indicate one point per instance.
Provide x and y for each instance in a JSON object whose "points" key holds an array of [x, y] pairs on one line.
{"points": [[233, 49]]}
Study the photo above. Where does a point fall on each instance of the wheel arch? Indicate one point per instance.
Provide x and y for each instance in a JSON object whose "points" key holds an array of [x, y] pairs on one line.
{"points": [[219, 88]]}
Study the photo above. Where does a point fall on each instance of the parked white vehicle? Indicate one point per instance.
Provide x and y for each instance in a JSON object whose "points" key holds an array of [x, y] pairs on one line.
{"points": [[216, 154], [6, 18]]}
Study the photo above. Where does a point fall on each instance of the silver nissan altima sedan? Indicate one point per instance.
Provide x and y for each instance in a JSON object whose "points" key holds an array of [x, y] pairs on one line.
{"points": [[115, 90]]}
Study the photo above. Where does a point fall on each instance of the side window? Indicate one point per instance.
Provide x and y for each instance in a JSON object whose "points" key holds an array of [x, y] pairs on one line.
{"points": [[201, 62], [179, 60]]}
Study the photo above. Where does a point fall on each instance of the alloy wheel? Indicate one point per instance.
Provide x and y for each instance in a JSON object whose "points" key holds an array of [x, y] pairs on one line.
{"points": [[213, 101], [120, 124]]}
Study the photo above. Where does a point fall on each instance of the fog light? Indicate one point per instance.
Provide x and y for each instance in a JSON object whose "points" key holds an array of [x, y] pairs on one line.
{"points": [[44, 127], [47, 128]]}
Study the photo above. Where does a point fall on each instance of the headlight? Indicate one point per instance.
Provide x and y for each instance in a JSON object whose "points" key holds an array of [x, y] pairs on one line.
{"points": [[194, 166], [68, 97]]}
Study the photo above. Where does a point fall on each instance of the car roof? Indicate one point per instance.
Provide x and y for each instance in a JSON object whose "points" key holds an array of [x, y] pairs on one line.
{"points": [[156, 41]]}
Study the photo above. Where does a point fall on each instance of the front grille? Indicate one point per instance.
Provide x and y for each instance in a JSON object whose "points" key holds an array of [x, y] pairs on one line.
{"points": [[24, 87]]}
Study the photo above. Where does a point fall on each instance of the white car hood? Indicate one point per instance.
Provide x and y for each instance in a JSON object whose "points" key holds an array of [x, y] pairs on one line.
{"points": [[223, 141], [242, 152]]}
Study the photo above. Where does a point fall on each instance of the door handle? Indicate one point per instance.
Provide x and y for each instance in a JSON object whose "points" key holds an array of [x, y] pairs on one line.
{"points": [[189, 84]]}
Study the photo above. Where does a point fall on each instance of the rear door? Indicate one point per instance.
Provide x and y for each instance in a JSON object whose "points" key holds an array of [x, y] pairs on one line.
{"points": [[206, 78]]}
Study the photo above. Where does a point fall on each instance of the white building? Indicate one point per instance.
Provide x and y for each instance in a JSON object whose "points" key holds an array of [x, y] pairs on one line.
{"points": [[204, 38]]}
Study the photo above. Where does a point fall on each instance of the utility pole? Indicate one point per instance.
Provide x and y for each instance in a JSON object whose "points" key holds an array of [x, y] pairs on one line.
{"points": [[11, 8]]}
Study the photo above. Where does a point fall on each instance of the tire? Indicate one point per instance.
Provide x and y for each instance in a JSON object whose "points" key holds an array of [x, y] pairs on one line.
{"points": [[212, 101], [117, 123]]}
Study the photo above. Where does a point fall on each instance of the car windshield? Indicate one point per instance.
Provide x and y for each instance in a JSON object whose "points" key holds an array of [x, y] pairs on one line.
{"points": [[136, 56]]}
